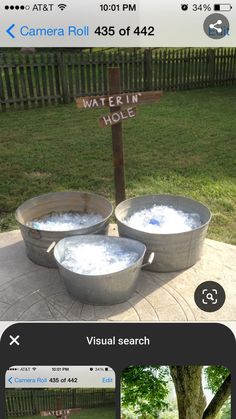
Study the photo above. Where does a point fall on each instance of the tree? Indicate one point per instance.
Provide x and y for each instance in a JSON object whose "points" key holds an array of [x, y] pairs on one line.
{"points": [[226, 413], [145, 389], [188, 386], [140, 387]]}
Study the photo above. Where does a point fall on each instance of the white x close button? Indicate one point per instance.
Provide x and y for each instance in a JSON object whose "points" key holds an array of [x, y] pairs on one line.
{"points": [[14, 340]]}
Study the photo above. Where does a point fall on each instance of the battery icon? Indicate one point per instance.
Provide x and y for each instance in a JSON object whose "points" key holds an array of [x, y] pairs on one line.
{"points": [[222, 7]]}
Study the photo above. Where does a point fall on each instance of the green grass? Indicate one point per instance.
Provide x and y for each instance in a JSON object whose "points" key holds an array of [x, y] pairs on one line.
{"points": [[95, 413], [183, 145]]}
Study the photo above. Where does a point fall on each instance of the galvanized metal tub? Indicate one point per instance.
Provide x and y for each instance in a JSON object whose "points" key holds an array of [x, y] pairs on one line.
{"points": [[38, 241], [112, 288], [173, 252]]}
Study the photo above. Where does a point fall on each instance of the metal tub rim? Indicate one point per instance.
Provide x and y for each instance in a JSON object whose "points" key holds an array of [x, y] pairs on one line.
{"points": [[51, 194], [148, 234], [108, 238]]}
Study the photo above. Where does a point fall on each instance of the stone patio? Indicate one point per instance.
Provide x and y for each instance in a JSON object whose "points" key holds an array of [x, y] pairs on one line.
{"points": [[30, 292]]}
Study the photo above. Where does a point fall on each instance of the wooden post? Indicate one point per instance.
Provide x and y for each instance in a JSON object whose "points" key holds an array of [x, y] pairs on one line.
{"points": [[58, 403], [63, 77], [3, 107], [211, 59], [61, 415], [148, 69], [117, 138]]}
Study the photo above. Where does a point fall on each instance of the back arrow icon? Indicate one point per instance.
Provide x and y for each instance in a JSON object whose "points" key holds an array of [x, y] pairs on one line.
{"points": [[10, 380], [8, 31]]}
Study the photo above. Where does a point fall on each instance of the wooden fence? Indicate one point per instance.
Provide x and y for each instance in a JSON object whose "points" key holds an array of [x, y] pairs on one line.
{"points": [[25, 402], [58, 77]]}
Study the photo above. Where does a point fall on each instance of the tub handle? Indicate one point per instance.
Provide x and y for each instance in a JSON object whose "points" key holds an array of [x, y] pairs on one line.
{"points": [[150, 260], [52, 245]]}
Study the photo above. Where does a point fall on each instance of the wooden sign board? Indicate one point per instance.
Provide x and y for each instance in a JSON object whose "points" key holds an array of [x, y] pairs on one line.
{"points": [[56, 413], [114, 101], [117, 117], [62, 413]]}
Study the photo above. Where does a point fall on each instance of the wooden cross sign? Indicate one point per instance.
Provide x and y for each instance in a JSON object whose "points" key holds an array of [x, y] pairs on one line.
{"points": [[122, 108], [60, 414]]}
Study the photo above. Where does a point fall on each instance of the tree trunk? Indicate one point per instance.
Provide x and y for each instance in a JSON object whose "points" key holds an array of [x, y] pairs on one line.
{"points": [[218, 400], [189, 391]]}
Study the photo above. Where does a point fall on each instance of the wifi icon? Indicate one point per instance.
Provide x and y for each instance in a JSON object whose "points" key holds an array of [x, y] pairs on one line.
{"points": [[62, 6]]}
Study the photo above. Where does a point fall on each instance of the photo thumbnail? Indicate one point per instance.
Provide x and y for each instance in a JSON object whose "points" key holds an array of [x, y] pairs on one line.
{"points": [[117, 184], [176, 392], [60, 392]]}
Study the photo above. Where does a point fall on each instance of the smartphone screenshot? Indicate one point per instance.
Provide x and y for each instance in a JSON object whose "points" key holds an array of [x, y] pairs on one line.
{"points": [[117, 208], [60, 391]]}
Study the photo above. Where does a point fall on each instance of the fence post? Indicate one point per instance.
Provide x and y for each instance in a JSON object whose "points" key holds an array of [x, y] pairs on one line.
{"points": [[211, 68], [2, 94], [74, 397], [148, 69], [63, 77]]}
